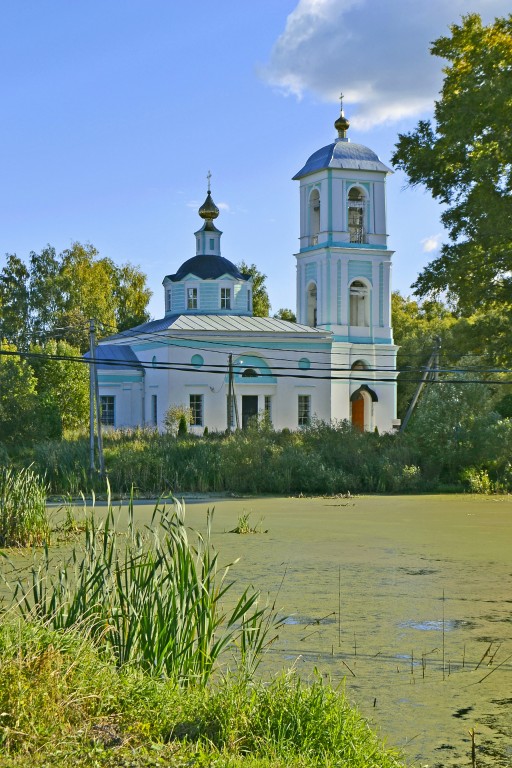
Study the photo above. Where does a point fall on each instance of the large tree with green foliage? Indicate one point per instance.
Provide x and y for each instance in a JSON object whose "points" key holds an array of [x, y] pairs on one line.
{"points": [[465, 159], [260, 299], [57, 294]]}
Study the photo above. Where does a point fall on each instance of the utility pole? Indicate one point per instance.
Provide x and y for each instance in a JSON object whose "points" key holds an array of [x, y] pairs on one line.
{"points": [[431, 372], [94, 394], [232, 404], [92, 345]]}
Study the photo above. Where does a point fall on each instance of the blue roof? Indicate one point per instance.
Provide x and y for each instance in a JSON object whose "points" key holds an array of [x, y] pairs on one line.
{"points": [[114, 355], [343, 154], [207, 268]]}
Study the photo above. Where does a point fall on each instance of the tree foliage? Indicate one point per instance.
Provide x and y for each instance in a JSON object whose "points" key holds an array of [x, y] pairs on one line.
{"points": [[286, 314], [465, 160], [57, 294], [260, 299]]}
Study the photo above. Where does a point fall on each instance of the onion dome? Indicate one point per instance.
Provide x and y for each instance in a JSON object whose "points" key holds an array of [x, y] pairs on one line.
{"points": [[342, 125], [208, 211]]}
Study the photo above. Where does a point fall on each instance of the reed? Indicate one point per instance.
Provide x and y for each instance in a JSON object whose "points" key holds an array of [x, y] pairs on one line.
{"points": [[23, 516], [153, 598]]}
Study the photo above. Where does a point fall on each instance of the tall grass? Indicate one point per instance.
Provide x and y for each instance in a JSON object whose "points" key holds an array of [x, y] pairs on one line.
{"points": [[154, 598], [63, 703], [23, 516]]}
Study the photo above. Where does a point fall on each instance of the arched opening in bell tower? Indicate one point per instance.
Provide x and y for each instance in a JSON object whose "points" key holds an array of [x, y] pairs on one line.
{"points": [[356, 211], [312, 305], [359, 304], [314, 217]]}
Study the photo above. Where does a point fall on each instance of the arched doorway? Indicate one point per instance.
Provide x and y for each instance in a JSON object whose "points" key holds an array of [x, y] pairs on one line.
{"points": [[361, 407], [358, 413]]}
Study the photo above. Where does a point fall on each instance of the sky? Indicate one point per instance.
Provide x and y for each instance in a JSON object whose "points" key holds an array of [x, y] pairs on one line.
{"points": [[114, 111]]}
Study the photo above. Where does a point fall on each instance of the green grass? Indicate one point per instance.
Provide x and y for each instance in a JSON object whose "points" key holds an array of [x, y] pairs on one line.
{"points": [[155, 598], [23, 516], [63, 703]]}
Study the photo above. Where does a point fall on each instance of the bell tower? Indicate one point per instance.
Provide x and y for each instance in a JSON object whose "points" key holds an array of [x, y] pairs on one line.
{"points": [[344, 265]]}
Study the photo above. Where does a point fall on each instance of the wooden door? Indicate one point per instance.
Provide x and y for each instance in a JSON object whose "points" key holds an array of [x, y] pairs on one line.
{"points": [[358, 413]]}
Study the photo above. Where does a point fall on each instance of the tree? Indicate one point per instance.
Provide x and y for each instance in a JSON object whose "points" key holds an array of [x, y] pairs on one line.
{"points": [[286, 314], [18, 397], [63, 381], [260, 299], [15, 302], [464, 159], [58, 294]]}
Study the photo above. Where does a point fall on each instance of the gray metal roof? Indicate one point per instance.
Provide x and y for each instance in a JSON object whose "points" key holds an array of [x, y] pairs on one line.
{"points": [[113, 355], [220, 323], [345, 155]]}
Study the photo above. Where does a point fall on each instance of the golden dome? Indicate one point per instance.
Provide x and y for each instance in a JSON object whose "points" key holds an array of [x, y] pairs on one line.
{"points": [[342, 125], [208, 210]]}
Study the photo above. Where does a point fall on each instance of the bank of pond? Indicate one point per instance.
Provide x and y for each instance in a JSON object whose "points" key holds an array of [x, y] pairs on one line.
{"points": [[339, 611], [321, 458]]}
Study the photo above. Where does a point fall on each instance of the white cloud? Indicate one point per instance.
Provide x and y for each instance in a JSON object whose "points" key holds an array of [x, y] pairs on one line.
{"points": [[432, 243], [376, 51], [223, 207]]}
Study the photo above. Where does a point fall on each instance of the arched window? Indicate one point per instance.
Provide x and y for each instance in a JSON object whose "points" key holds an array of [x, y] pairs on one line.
{"points": [[249, 373], [312, 305], [359, 365], [356, 210], [359, 304], [314, 217]]}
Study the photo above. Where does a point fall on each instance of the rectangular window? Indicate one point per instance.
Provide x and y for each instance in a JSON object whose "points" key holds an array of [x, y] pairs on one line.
{"points": [[154, 410], [108, 410], [212, 244], [196, 408], [268, 407], [304, 410], [191, 298], [169, 300], [225, 298], [248, 301]]}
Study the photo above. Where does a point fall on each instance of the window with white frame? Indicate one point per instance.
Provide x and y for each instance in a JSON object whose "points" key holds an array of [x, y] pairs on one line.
{"points": [[248, 300], [212, 244], [225, 298], [304, 410], [268, 407], [154, 410], [169, 299], [196, 410], [108, 410], [191, 298]]}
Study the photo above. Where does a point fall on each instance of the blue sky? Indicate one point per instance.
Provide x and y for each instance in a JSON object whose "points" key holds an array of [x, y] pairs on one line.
{"points": [[113, 111]]}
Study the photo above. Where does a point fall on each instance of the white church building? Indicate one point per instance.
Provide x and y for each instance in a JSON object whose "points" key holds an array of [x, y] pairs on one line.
{"points": [[210, 354]]}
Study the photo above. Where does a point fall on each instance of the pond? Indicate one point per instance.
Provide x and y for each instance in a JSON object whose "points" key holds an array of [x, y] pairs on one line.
{"points": [[404, 600]]}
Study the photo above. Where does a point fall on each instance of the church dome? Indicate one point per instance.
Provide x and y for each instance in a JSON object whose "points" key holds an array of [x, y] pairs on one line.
{"points": [[342, 154], [207, 268]]}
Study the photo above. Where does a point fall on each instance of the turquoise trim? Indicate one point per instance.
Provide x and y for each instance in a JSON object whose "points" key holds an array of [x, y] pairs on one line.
{"points": [[105, 378], [359, 340], [294, 346], [336, 244]]}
